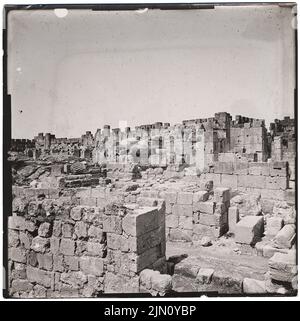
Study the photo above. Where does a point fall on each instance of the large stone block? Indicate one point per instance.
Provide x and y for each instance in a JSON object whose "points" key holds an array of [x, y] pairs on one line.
{"points": [[283, 267], [161, 283], [183, 210], [185, 198], [21, 224], [40, 244], [208, 219], [18, 271], [221, 194], [229, 181], [114, 283], [95, 249], [67, 230], [200, 196], [204, 275], [146, 241], [255, 181], [39, 276], [241, 168], [96, 233], [146, 277], [17, 254], [172, 220], [128, 264], [224, 168], [45, 261], [21, 286], [116, 241], [265, 169], [211, 177], [16, 223], [81, 229], [54, 244], [75, 279], [249, 230], [32, 259], [273, 194], [252, 286], [13, 238], [57, 226], [180, 235], [92, 265], [185, 222], [71, 262], [285, 237], [205, 207], [255, 168], [273, 226], [141, 221], [279, 169], [44, 229], [112, 224], [67, 247], [58, 263], [277, 183]]}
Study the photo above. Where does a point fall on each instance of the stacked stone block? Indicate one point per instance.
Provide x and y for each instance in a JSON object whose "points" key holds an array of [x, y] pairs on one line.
{"points": [[192, 215], [135, 241]]}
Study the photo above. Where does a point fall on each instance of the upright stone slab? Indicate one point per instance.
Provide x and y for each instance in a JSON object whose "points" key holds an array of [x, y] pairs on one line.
{"points": [[233, 218]]}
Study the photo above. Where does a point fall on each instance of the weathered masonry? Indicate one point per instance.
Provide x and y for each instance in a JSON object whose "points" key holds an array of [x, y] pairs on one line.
{"points": [[58, 248]]}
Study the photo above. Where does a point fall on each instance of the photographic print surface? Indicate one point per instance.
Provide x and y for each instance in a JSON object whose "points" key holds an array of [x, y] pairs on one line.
{"points": [[150, 151]]}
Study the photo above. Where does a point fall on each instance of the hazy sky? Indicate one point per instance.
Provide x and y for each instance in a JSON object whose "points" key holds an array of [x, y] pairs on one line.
{"points": [[90, 68]]}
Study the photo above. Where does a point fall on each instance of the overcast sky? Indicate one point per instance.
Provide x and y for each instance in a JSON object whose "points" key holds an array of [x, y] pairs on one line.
{"points": [[75, 73]]}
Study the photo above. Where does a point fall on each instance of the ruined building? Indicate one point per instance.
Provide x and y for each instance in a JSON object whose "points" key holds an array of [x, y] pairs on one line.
{"points": [[206, 205]]}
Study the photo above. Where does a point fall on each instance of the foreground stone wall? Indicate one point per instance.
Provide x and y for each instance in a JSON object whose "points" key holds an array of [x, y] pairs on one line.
{"points": [[59, 248]]}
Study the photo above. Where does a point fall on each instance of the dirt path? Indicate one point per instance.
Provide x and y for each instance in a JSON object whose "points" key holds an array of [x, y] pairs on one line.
{"points": [[221, 256]]}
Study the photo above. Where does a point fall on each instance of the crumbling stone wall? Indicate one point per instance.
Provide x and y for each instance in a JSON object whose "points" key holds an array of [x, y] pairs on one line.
{"points": [[61, 248]]}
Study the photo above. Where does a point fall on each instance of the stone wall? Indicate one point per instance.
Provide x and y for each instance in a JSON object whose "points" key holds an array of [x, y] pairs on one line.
{"points": [[61, 248], [248, 139], [194, 215], [249, 176]]}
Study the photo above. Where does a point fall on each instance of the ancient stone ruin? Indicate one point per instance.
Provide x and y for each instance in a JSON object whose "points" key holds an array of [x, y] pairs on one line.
{"points": [[203, 206]]}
